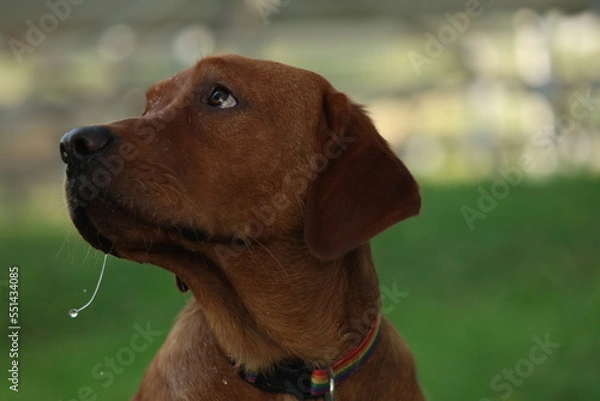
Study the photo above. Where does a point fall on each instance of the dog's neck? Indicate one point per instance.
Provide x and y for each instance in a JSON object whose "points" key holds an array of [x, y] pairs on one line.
{"points": [[267, 304]]}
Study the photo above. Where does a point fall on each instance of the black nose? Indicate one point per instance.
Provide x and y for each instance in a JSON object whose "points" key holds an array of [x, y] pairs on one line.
{"points": [[81, 143]]}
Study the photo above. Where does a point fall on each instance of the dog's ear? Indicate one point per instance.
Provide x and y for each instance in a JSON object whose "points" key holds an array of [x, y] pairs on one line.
{"points": [[362, 188]]}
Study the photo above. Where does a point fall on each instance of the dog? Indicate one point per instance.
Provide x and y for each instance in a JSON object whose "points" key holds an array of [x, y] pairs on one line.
{"points": [[259, 186]]}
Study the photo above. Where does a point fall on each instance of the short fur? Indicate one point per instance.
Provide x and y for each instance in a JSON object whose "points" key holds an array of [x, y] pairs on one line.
{"points": [[264, 211]]}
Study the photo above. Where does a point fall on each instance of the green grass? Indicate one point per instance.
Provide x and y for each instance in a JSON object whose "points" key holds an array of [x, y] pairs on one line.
{"points": [[475, 299]]}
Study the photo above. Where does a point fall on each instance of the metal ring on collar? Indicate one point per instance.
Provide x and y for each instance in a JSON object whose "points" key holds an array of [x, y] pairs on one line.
{"points": [[330, 396]]}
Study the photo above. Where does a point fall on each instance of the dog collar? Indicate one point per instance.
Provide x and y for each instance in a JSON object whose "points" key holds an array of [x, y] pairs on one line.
{"points": [[307, 382]]}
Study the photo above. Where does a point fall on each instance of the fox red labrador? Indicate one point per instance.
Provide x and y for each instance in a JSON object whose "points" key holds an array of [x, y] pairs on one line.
{"points": [[259, 186]]}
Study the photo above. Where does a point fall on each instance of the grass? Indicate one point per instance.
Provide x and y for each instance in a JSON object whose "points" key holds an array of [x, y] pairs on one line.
{"points": [[475, 300]]}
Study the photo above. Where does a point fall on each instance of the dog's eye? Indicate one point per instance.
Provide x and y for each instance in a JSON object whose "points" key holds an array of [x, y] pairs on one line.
{"points": [[220, 97]]}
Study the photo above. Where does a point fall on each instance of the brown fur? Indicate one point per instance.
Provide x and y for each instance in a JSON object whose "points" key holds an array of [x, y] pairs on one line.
{"points": [[283, 191]]}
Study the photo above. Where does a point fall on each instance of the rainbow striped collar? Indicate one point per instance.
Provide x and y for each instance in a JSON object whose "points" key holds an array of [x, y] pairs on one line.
{"points": [[305, 381]]}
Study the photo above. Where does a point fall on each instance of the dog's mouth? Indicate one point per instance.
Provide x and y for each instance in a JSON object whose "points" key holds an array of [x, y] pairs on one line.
{"points": [[111, 227]]}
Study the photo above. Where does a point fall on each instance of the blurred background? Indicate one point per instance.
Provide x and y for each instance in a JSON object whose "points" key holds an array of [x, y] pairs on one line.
{"points": [[494, 105]]}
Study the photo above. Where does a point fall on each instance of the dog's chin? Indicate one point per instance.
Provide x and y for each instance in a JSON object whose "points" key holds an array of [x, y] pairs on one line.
{"points": [[89, 232]]}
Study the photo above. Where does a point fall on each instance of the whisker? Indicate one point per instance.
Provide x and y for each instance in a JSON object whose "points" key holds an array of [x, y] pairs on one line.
{"points": [[89, 251], [260, 260], [178, 184], [272, 256], [67, 235]]}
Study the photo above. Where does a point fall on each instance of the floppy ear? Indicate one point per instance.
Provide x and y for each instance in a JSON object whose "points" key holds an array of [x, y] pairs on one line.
{"points": [[364, 188]]}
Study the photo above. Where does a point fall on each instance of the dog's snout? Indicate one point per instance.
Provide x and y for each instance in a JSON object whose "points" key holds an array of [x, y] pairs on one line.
{"points": [[83, 142]]}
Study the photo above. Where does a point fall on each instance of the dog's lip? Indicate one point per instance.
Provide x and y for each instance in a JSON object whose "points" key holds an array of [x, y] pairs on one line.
{"points": [[176, 235], [90, 233], [191, 234]]}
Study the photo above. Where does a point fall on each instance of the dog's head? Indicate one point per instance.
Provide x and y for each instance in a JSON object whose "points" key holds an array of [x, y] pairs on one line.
{"points": [[230, 151]]}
